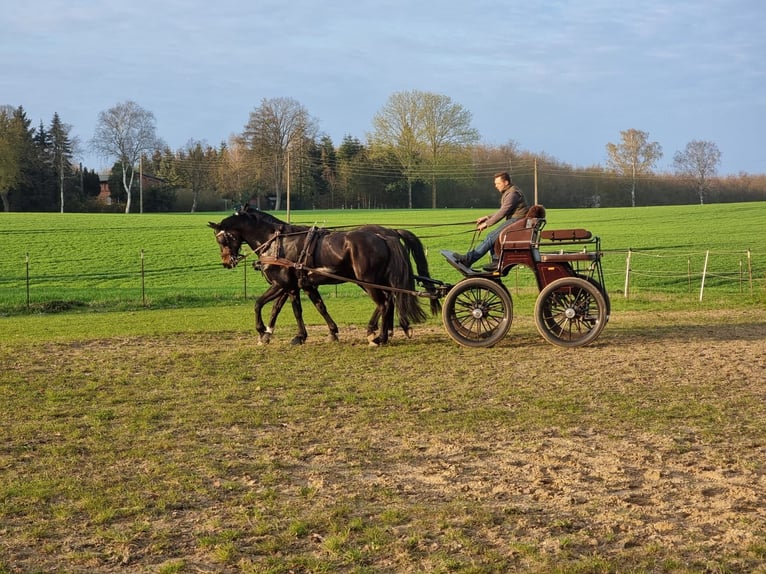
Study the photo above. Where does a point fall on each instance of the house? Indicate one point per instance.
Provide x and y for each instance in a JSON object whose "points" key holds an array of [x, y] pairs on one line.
{"points": [[105, 194]]}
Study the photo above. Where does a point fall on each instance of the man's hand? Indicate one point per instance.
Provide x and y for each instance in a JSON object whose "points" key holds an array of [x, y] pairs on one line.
{"points": [[481, 226]]}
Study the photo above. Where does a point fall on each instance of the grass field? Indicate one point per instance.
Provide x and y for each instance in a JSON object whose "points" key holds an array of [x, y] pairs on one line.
{"points": [[165, 440], [118, 261]]}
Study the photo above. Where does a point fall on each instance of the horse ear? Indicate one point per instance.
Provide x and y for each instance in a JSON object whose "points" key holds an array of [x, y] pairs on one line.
{"points": [[213, 225]]}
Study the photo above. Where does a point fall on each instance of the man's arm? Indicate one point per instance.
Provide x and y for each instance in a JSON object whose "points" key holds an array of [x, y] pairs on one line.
{"points": [[508, 203]]}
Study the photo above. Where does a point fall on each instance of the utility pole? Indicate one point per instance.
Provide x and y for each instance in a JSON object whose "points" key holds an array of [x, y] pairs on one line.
{"points": [[141, 183], [288, 185], [61, 179]]}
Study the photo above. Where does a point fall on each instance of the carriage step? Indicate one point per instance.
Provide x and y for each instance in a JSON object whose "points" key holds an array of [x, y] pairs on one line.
{"points": [[450, 256]]}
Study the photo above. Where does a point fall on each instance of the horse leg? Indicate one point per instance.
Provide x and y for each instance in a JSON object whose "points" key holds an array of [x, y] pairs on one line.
{"points": [[300, 338], [404, 322], [318, 302], [384, 311], [274, 292]]}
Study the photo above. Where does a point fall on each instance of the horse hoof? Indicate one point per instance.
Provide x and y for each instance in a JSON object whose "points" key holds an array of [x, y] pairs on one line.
{"points": [[333, 338], [373, 338], [409, 332], [297, 341], [264, 340]]}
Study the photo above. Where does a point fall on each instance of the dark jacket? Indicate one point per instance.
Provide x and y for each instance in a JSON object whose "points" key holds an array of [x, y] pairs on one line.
{"points": [[512, 206]]}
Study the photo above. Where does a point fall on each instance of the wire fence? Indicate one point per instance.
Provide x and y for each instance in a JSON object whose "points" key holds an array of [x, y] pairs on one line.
{"points": [[692, 272], [44, 282]]}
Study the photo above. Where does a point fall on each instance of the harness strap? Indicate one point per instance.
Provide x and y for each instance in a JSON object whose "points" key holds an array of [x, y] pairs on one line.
{"points": [[269, 260]]}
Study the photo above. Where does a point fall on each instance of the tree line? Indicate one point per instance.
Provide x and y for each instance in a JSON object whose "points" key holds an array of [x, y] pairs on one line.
{"points": [[422, 152]]}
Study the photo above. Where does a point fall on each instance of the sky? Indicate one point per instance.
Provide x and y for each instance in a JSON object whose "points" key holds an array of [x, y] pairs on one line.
{"points": [[558, 77]]}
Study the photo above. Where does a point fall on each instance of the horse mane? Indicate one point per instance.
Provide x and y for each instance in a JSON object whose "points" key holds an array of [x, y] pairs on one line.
{"points": [[255, 213]]}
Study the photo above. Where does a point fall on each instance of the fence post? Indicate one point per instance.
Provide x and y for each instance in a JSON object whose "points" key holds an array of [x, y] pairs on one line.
{"points": [[27, 264], [750, 271], [143, 281], [245, 279], [704, 273], [627, 275]]}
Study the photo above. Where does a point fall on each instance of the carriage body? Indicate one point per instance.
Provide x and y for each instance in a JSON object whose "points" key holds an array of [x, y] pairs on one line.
{"points": [[572, 306]]}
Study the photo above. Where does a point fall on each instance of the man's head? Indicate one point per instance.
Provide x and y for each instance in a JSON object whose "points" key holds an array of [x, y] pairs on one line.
{"points": [[502, 181]]}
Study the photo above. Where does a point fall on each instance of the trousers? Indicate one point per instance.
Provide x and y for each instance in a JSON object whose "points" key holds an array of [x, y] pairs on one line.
{"points": [[489, 241]]}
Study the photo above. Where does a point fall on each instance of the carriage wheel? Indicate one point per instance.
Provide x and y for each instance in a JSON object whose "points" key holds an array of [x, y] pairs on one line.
{"points": [[477, 312], [570, 312]]}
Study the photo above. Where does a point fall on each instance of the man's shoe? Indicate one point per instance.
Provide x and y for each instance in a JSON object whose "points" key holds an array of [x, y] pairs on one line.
{"points": [[492, 265], [462, 259]]}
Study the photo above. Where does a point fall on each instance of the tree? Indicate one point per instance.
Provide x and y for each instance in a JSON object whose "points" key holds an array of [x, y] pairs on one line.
{"points": [[398, 129], [425, 132], [275, 132], [328, 162], [15, 146], [124, 133], [61, 153], [196, 168], [698, 160], [447, 133], [237, 176], [634, 157]]}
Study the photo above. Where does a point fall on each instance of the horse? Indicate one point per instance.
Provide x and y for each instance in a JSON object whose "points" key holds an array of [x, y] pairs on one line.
{"points": [[281, 288], [295, 257]]}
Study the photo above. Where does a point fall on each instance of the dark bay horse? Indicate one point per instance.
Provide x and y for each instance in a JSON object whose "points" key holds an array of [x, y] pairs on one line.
{"points": [[297, 257]]}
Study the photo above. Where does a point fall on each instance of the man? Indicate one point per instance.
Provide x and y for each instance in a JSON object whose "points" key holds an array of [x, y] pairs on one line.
{"points": [[513, 207]]}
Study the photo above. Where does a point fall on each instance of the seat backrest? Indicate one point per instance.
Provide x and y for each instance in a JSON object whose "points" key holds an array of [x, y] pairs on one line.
{"points": [[520, 234], [566, 234]]}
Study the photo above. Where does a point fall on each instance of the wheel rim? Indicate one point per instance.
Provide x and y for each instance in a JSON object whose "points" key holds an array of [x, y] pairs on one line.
{"points": [[478, 313], [570, 312]]}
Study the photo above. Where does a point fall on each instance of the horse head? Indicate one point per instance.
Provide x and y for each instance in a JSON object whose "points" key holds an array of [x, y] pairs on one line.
{"points": [[230, 242]]}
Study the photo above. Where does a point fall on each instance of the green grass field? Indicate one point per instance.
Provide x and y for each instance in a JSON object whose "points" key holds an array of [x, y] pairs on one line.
{"points": [[122, 261], [163, 439]]}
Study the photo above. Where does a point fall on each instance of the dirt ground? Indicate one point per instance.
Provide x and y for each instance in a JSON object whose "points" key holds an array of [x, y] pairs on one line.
{"points": [[644, 452]]}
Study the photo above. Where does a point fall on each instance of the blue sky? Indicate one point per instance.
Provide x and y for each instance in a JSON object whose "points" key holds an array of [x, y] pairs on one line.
{"points": [[559, 77]]}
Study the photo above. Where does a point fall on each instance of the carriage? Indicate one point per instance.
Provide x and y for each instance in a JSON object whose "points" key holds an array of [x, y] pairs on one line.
{"points": [[571, 309]]}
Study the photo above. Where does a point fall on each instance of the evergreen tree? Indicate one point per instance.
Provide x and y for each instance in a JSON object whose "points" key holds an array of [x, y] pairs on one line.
{"points": [[61, 156]]}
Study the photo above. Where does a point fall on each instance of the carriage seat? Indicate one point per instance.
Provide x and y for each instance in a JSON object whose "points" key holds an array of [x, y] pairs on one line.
{"points": [[521, 237], [523, 233], [566, 234]]}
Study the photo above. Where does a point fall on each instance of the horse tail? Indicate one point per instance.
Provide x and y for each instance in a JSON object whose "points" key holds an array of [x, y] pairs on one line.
{"points": [[400, 276], [418, 252]]}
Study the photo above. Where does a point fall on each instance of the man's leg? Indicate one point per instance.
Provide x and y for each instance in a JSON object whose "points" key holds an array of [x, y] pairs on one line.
{"points": [[496, 256], [478, 252]]}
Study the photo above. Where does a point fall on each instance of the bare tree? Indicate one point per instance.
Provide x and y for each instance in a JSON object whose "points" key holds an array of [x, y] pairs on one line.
{"points": [[398, 129], [275, 132], [423, 131], [634, 157], [124, 133], [447, 132], [235, 174], [699, 160]]}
